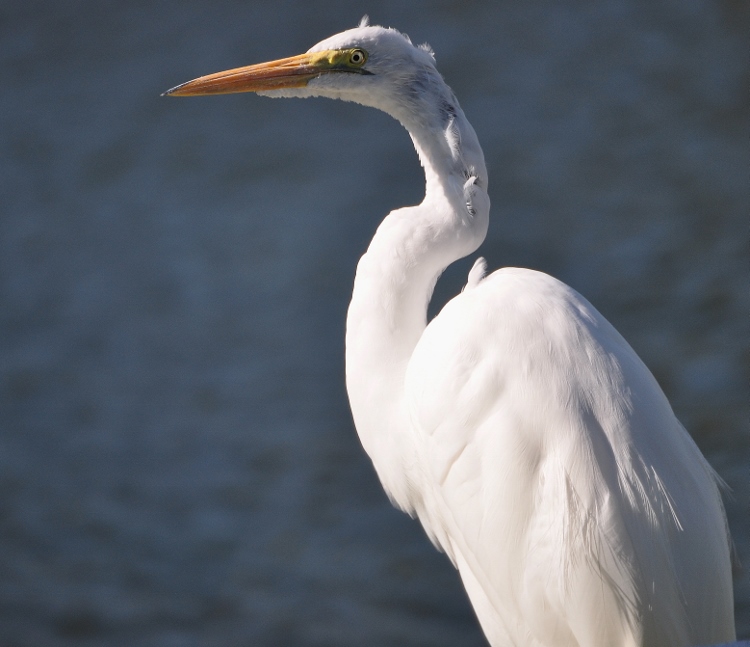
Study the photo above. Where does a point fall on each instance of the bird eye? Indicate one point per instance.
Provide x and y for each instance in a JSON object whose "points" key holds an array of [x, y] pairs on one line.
{"points": [[357, 57]]}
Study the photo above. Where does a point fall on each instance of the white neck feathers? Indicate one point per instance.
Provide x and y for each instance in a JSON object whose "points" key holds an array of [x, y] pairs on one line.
{"points": [[396, 276]]}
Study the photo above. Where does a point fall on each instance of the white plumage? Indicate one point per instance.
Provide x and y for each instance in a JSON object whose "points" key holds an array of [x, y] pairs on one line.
{"points": [[533, 444]]}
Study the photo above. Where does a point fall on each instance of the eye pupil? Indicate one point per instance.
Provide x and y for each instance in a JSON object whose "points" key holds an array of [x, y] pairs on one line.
{"points": [[357, 57]]}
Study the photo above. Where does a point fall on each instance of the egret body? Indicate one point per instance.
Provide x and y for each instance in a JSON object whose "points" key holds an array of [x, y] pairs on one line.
{"points": [[522, 430]]}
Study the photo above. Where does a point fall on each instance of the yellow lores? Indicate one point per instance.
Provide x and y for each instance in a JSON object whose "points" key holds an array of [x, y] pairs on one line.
{"points": [[292, 72], [345, 60]]}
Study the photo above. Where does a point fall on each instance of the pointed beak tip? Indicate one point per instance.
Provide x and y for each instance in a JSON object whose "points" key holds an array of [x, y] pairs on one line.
{"points": [[173, 92]]}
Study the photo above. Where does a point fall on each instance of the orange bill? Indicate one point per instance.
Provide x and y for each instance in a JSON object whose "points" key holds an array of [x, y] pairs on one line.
{"points": [[292, 72]]}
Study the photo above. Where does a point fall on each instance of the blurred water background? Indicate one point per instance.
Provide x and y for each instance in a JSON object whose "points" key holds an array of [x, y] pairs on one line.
{"points": [[178, 465]]}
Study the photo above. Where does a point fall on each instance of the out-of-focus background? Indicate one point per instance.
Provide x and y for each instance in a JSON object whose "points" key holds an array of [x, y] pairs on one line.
{"points": [[178, 465]]}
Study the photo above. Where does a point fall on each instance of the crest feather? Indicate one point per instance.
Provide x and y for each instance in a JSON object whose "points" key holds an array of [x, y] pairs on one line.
{"points": [[425, 47]]}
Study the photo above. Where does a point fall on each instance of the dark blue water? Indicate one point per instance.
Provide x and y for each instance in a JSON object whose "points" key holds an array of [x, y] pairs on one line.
{"points": [[177, 461]]}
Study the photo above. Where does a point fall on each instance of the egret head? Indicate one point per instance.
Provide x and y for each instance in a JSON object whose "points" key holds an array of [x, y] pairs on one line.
{"points": [[376, 67], [370, 65]]}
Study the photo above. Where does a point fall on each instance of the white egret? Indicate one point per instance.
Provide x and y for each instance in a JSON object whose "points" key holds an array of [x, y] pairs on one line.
{"points": [[533, 444]]}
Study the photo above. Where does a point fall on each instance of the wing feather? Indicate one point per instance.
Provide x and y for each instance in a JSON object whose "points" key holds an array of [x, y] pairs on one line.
{"points": [[555, 474]]}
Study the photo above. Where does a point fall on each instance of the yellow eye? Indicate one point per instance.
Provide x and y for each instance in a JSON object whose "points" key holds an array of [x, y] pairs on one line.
{"points": [[357, 57]]}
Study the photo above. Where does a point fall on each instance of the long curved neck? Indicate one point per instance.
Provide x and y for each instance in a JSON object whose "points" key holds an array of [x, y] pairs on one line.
{"points": [[396, 276]]}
